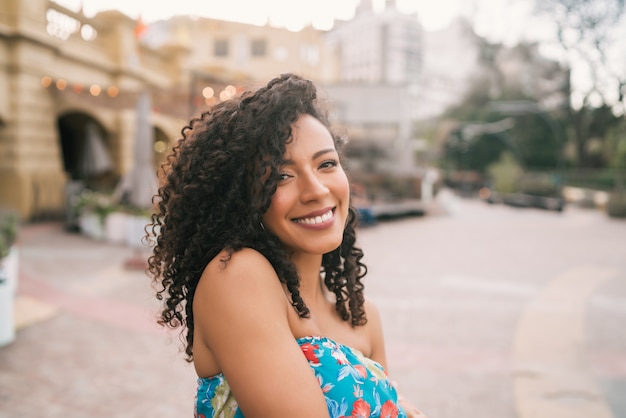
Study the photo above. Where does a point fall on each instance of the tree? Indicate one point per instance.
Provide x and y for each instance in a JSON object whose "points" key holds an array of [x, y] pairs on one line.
{"points": [[515, 75], [586, 32]]}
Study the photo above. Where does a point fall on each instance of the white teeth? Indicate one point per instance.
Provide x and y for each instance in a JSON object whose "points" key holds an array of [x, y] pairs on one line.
{"points": [[316, 220]]}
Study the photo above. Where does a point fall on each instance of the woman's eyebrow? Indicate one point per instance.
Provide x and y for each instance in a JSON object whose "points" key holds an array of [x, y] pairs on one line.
{"points": [[314, 157]]}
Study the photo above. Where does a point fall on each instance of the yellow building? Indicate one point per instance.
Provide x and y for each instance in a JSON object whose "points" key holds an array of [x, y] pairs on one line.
{"points": [[246, 53], [70, 85]]}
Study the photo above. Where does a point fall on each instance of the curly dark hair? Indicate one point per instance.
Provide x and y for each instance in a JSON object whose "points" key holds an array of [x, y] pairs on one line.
{"points": [[218, 182]]}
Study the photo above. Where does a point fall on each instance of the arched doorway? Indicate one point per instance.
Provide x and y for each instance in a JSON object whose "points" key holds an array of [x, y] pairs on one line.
{"points": [[87, 161], [86, 151]]}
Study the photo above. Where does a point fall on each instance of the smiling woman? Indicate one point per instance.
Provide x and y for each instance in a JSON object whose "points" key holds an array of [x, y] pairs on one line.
{"points": [[310, 207], [255, 259]]}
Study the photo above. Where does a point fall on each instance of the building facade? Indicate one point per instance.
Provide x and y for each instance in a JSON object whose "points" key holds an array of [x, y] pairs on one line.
{"points": [[70, 89], [245, 53], [378, 47], [376, 94]]}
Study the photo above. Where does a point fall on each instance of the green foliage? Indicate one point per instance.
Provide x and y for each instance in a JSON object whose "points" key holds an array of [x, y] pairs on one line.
{"points": [[597, 179], [504, 173], [485, 150], [475, 154], [538, 140], [9, 223], [617, 139], [587, 30], [101, 204]]}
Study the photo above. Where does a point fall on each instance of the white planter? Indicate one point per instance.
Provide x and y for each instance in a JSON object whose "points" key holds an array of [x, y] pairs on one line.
{"points": [[12, 267], [91, 226], [136, 231], [116, 227], [7, 313]]}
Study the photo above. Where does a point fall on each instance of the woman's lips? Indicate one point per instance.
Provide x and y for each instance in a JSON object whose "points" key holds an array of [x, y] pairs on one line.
{"points": [[313, 219]]}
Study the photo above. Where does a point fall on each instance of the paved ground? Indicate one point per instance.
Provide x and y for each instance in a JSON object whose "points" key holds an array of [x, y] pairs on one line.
{"points": [[489, 311]]}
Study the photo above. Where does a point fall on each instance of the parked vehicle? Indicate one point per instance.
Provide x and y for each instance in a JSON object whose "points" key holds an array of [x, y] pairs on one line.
{"points": [[534, 190]]}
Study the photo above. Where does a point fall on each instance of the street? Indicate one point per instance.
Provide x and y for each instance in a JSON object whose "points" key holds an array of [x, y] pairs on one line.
{"points": [[493, 311], [489, 311]]}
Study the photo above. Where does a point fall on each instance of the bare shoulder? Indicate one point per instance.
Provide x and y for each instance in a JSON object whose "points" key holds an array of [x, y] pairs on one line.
{"points": [[238, 265], [241, 317], [236, 283]]}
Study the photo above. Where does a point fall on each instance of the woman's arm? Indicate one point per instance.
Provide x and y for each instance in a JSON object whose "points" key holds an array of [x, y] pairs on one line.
{"points": [[240, 311]]}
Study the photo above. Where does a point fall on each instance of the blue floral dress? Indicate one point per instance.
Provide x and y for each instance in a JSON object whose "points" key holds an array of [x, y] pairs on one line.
{"points": [[354, 385]]}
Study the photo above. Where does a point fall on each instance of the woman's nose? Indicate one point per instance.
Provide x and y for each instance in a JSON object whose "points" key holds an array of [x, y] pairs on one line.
{"points": [[312, 188]]}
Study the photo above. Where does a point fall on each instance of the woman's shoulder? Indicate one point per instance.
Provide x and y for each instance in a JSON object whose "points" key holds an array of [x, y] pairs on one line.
{"points": [[241, 272], [233, 263]]}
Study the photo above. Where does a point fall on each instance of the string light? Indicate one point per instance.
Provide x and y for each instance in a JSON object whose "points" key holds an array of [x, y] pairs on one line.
{"points": [[208, 92], [208, 97], [95, 90], [113, 91]]}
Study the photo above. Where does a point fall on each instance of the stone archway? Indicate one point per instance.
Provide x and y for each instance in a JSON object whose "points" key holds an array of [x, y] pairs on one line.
{"points": [[86, 151]]}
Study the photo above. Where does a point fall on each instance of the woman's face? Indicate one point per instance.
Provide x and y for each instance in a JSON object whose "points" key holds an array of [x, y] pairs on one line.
{"points": [[309, 209]]}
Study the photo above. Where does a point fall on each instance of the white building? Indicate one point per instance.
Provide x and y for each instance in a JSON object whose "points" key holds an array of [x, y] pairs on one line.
{"points": [[378, 63], [451, 63], [378, 47]]}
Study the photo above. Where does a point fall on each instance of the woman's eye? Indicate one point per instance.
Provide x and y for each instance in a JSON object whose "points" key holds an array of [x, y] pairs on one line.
{"points": [[283, 176], [329, 163]]}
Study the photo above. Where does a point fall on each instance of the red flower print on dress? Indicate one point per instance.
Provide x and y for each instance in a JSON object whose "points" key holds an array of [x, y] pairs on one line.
{"points": [[361, 370], [309, 352], [389, 410], [360, 409]]}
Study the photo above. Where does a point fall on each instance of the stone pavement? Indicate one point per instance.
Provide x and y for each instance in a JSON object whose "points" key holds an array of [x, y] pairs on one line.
{"points": [[499, 312], [488, 312], [87, 344]]}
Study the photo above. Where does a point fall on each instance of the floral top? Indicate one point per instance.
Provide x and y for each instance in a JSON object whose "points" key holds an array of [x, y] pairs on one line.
{"points": [[354, 385]]}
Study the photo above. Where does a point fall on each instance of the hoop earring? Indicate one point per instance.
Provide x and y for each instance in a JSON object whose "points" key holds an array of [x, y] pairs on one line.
{"points": [[262, 226]]}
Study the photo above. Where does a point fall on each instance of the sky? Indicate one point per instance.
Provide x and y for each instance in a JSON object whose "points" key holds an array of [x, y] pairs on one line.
{"points": [[499, 21], [494, 18]]}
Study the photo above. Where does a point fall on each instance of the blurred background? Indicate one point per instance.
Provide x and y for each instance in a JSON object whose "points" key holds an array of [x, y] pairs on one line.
{"points": [[486, 145]]}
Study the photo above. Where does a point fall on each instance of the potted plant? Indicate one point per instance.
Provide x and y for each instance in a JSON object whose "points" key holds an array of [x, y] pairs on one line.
{"points": [[93, 208]]}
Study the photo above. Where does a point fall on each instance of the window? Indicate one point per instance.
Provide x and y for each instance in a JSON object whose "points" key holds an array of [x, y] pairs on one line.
{"points": [[258, 47], [310, 54], [220, 48], [281, 53]]}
